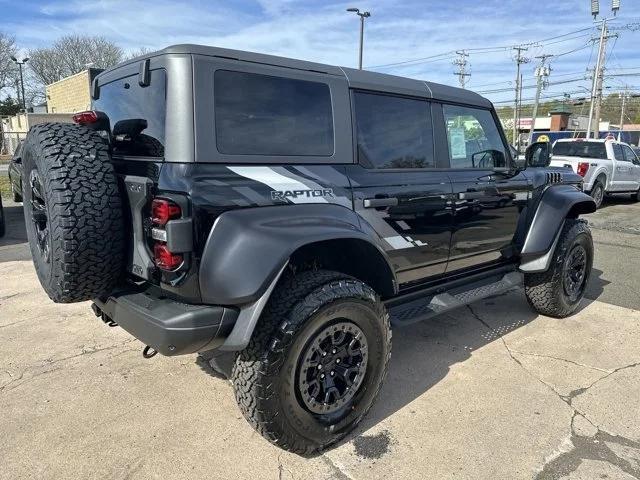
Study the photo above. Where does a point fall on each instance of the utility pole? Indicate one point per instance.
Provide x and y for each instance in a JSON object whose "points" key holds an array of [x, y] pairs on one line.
{"points": [[462, 62], [598, 78], [362, 16], [624, 99], [542, 72], [518, 84], [598, 73]]}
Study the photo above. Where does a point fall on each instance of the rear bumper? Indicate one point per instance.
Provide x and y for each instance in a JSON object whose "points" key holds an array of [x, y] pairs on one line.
{"points": [[168, 326]]}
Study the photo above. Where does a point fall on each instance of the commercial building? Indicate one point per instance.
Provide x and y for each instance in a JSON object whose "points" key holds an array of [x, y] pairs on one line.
{"points": [[71, 94]]}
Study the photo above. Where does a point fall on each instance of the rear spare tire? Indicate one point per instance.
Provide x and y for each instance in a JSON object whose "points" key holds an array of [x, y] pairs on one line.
{"points": [[73, 212]]}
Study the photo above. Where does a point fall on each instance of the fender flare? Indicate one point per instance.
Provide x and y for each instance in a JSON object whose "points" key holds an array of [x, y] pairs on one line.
{"points": [[557, 203], [247, 248]]}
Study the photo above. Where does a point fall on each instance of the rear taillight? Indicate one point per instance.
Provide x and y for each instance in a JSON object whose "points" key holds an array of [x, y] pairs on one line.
{"points": [[164, 259], [583, 168], [85, 118], [163, 210]]}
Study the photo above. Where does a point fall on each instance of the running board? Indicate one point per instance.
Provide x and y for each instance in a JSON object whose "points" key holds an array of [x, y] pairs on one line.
{"points": [[435, 304]]}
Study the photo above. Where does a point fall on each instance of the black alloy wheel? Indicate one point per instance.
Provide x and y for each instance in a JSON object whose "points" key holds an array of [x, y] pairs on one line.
{"points": [[574, 274], [332, 367], [39, 216]]}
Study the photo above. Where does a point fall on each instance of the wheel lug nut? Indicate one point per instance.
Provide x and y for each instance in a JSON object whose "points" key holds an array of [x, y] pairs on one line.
{"points": [[338, 360], [332, 373], [319, 367], [322, 375], [324, 354], [333, 351]]}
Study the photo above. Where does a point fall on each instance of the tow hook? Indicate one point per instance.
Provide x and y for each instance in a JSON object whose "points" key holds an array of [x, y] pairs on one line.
{"points": [[149, 352]]}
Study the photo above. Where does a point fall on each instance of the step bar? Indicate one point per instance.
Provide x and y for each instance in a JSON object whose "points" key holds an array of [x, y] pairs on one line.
{"points": [[436, 303]]}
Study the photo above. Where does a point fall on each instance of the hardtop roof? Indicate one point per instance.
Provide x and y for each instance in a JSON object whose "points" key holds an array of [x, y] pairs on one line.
{"points": [[356, 78]]}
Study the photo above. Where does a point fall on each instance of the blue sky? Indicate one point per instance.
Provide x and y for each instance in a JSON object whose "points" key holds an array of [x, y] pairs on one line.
{"points": [[323, 31]]}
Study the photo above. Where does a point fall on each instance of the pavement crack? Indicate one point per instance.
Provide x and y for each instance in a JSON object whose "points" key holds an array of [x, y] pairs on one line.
{"points": [[585, 447], [552, 357], [566, 400], [21, 379], [580, 391], [12, 323]]}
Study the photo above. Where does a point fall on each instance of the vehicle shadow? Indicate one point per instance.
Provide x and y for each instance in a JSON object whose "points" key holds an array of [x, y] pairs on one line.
{"points": [[14, 244], [423, 353], [596, 285], [616, 199]]}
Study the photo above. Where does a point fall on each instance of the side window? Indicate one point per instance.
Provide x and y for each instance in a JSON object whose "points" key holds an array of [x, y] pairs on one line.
{"points": [[617, 152], [265, 115], [474, 138], [629, 155], [393, 132]]}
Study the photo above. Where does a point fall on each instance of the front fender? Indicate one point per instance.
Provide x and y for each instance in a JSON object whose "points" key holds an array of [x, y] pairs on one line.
{"points": [[247, 248], [557, 203]]}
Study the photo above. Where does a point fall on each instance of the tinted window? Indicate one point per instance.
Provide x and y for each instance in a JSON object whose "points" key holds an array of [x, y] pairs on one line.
{"points": [[580, 149], [265, 115], [629, 156], [617, 152], [136, 114], [474, 138], [393, 132]]}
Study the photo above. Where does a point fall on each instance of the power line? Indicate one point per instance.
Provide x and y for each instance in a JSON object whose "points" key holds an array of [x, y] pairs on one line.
{"points": [[451, 53]]}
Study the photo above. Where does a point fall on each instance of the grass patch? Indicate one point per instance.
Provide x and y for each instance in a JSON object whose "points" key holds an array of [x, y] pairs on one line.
{"points": [[5, 187]]}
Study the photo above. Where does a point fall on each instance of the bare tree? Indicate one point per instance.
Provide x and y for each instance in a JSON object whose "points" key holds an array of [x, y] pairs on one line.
{"points": [[72, 54], [7, 67], [137, 53]]}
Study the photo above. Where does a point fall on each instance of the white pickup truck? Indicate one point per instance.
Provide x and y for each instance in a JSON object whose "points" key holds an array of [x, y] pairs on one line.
{"points": [[607, 166]]}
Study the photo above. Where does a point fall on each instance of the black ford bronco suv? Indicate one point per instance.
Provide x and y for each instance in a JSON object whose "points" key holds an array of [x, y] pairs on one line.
{"points": [[288, 213]]}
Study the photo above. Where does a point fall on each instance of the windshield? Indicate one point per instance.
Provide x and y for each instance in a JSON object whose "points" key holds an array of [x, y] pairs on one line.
{"points": [[580, 149]]}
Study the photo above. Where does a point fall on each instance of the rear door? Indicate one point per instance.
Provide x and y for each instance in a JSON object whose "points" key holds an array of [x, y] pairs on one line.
{"points": [[488, 194], [398, 188], [621, 178]]}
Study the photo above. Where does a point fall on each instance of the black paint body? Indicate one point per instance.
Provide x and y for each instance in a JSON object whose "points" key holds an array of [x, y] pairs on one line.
{"points": [[253, 213]]}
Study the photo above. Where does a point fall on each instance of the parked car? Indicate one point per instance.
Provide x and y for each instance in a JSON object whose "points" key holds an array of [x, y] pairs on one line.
{"points": [[607, 166], [289, 212], [15, 173]]}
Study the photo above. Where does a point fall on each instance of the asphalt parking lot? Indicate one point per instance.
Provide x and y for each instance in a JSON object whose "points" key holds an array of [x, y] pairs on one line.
{"points": [[492, 391]]}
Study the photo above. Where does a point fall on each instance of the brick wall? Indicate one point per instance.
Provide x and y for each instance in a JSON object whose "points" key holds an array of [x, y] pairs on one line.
{"points": [[70, 95]]}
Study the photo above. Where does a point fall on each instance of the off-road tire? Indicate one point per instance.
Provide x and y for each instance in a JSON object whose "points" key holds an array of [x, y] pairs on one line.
{"points": [[598, 192], [2, 223], [264, 374], [83, 255], [545, 291]]}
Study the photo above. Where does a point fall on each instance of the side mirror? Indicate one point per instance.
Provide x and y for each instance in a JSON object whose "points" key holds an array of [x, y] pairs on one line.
{"points": [[538, 154]]}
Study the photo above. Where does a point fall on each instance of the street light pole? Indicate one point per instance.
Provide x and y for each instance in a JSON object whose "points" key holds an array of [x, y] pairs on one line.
{"points": [[20, 63], [362, 16]]}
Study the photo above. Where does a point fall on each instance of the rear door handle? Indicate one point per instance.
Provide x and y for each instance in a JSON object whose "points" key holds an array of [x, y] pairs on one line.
{"points": [[380, 202]]}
